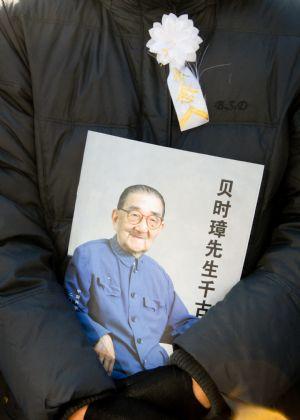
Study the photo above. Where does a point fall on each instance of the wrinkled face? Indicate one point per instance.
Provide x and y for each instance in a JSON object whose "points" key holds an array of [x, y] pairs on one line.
{"points": [[137, 238]]}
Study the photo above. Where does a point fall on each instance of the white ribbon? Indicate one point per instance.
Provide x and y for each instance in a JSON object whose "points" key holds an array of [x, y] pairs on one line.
{"points": [[187, 97], [175, 41]]}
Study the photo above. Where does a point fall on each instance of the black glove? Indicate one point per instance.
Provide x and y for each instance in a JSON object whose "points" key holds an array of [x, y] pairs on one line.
{"points": [[167, 387], [117, 407]]}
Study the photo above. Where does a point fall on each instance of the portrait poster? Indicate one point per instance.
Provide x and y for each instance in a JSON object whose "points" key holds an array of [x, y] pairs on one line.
{"points": [[210, 205], [209, 208]]}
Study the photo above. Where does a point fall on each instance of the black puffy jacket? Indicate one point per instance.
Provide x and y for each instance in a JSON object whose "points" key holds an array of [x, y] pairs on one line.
{"points": [[67, 66]]}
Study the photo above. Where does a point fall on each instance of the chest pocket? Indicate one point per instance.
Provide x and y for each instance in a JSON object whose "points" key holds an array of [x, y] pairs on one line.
{"points": [[108, 286], [153, 305]]}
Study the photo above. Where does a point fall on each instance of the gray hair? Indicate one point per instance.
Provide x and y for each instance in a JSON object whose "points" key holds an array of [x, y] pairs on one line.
{"points": [[140, 189]]}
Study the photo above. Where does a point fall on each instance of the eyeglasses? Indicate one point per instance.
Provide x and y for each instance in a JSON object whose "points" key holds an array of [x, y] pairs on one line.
{"points": [[135, 217]]}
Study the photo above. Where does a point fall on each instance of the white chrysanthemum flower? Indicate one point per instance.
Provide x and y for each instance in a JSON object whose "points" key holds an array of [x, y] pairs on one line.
{"points": [[175, 40]]}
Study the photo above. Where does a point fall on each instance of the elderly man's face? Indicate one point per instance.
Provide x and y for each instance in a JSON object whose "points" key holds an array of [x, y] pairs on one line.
{"points": [[137, 238]]}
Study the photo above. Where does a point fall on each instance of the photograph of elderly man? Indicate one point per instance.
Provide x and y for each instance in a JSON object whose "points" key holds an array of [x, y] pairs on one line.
{"points": [[124, 299]]}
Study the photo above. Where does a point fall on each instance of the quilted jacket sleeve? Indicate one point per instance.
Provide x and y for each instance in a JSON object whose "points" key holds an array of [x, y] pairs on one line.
{"points": [[44, 356], [249, 343]]}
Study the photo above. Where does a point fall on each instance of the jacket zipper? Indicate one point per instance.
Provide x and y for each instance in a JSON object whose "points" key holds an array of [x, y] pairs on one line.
{"points": [[169, 111], [171, 9]]}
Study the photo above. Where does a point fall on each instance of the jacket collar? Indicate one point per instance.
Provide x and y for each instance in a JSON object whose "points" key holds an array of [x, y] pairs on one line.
{"points": [[126, 258], [137, 16], [165, 6]]}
